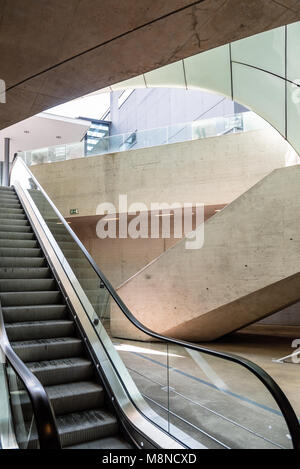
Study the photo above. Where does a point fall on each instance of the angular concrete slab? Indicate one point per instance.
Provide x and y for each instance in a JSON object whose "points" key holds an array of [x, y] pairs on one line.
{"points": [[247, 269]]}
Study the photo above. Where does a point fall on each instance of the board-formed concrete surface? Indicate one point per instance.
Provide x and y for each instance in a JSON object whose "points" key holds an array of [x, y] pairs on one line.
{"points": [[247, 269]]}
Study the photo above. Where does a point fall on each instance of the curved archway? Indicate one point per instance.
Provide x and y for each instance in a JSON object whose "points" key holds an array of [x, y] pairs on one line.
{"points": [[261, 72]]}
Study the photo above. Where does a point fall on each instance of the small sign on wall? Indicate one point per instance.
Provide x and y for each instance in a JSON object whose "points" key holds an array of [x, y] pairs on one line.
{"points": [[74, 211]]}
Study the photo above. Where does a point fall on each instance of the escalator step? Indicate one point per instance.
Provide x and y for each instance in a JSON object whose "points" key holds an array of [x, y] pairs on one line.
{"points": [[18, 243], [34, 313], [15, 235], [12, 216], [29, 284], [22, 262], [39, 330], [10, 203], [24, 272], [18, 228], [11, 211], [68, 398], [30, 298], [8, 196], [79, 427], [13, 222], [62, 371], [48, 349], [111, 442], [4, 189], [20, 252], [75, 397]]}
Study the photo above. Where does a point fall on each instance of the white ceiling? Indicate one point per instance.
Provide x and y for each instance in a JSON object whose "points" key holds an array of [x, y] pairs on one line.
{"points": [[43, 132]]}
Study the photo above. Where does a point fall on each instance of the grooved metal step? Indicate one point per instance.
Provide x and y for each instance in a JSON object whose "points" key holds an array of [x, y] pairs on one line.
{"points": [[111, 442], [8, 196], [13, 222], [62, 237], [30, 298], [62, 371], [20, 252], [22, 262], [6, 189], [48, 349], [67, 398], [19, 228], [8, 203], [10, 210], [30, 330], [11, 235], [73, 254], [27, 284], [24, 272], [79, 427], [12, 216], [75, 397], [34, 313], [18, 243]]}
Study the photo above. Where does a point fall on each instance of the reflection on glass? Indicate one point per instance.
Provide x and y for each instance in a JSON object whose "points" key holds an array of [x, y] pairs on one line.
{"points": [[22, 413]]}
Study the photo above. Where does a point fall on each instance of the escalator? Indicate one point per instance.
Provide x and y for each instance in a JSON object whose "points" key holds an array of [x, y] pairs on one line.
{"points": [[63, 383], [42, 332]]}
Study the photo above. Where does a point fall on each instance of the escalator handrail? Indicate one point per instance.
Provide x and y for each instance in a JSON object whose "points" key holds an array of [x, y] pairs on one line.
{"points": [[47, 432], [276, 392]]}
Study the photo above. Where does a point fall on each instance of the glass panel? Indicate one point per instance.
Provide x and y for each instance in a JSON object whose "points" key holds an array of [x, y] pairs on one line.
{"points": [[136, 82], [222, 404], [171, 76], [293, 115], [265, 50], [175, 133], [147, 363], [262, 92], [210, 70], [293, 47], [22, 413]]}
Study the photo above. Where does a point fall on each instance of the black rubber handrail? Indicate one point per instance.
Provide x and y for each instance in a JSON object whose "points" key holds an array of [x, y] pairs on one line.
{"points": [[47, 432], [276, 392]]}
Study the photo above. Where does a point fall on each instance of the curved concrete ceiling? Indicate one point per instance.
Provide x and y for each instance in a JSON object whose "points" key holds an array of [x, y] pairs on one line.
{"points": [[53, 51]]}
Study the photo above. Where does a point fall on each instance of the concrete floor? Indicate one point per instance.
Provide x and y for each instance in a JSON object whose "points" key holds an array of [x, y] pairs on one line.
{"points": [[216, 402]]}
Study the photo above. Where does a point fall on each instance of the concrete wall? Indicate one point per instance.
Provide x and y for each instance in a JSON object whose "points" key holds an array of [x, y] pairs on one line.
{"points": [[248, 268], [212, 171], [119, 259]]}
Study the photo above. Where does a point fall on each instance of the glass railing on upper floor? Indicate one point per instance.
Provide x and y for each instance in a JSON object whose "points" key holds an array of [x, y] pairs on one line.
{"points": [[175, 133]]}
